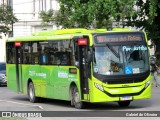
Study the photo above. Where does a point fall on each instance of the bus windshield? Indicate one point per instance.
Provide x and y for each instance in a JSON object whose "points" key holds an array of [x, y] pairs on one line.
{"points": [[120, 59]]}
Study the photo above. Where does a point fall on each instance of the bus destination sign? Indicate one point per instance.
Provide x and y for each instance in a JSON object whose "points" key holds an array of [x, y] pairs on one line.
{"points": [[118, 37]]}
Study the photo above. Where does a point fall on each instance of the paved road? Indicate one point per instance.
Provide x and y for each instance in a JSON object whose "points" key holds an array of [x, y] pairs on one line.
{"points": [[13, 101], [10, 101]]}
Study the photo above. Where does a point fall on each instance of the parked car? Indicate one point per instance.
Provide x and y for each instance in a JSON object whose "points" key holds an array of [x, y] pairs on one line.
{"points": [[3, 80]]}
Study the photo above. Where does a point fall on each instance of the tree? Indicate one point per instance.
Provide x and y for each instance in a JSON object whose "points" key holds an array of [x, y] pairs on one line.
{"points": [[91, 13], [148, 19], [7, 18], [47, 17], [125, 9]]}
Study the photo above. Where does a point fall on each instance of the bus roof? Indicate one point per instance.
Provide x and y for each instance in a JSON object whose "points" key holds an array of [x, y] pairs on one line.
{"points": [[40, 38], [63, 34], [67, 31]]}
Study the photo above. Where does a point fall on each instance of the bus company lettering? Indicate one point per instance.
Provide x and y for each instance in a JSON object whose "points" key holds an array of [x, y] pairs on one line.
{"points": [[62, 74], [72, 77], [41, 75], [33, 73]]}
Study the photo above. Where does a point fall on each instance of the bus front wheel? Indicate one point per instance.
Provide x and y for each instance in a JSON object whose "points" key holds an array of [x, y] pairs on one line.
{"points": [[76, 99], [124, 103], [31, 93]]}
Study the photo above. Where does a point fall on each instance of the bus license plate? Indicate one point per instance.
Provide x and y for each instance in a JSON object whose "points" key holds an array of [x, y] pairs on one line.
{"points": [[126, 98]]}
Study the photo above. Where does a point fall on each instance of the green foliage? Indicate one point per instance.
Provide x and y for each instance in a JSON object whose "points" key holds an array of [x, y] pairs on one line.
{"points": [[125, 10], [91, 13], [152, 10], [148, 19], [47, 17], [7, 18]]}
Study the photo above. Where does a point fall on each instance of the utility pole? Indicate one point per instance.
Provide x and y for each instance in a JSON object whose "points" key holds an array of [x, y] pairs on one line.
{"points": [[10, 3]]}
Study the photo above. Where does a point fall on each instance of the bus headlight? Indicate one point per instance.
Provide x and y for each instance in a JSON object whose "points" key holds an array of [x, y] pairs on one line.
{"points": [[147, 83], [98, 86]]}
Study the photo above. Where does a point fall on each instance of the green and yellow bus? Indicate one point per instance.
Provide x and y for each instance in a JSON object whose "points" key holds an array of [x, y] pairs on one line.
{"points": [[80, 66]]}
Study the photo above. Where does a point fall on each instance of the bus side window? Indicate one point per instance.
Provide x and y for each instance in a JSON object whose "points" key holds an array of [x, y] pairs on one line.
{"points": [[64, 58], [26, 53], [44, 51], [51, 60], [35, 53], [45, 55], [10, 53], [55, 52]]}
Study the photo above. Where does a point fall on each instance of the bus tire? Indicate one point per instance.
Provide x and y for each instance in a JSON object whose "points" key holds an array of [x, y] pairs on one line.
{"points": [[72, 95], [31, 93], [76, 99], [124, 103]]}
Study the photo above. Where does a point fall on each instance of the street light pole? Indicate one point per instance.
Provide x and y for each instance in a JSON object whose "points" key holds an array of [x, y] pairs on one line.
{"points": [[10, 3]]}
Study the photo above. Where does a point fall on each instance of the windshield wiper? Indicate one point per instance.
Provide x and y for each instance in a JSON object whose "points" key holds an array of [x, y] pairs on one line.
{"points": [[113, 50]]}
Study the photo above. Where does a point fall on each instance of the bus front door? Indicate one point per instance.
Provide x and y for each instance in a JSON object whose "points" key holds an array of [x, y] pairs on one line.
{"points": [[81, 55]]}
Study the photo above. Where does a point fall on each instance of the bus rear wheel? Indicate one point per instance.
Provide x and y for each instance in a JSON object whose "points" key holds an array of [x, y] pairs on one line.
{"points": [[76, 99], [31, 93], [124, 103]]}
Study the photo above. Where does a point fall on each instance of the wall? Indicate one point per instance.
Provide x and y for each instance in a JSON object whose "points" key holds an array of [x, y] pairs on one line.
{"points": [[27, 11], [2, 49]]}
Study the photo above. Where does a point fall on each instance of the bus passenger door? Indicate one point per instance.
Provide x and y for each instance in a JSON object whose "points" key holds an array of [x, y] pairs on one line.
{"points": [[18, 62], [81, 56]]}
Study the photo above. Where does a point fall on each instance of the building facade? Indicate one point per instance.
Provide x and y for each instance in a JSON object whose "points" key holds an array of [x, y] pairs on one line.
{"points": [[27, 13], [3, 37]]}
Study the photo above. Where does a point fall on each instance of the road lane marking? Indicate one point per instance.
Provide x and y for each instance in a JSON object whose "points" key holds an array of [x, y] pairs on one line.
{"points": [[22, 104]]}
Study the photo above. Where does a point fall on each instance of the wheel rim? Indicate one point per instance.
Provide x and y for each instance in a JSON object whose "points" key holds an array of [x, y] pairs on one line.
{"points": [[76, 98]]}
